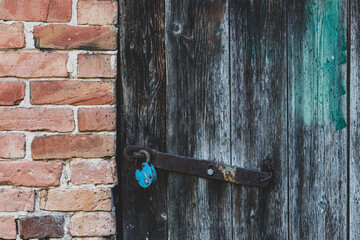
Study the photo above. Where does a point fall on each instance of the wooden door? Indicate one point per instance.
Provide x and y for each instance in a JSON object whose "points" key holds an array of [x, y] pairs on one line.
{"points": [[240, 81]]}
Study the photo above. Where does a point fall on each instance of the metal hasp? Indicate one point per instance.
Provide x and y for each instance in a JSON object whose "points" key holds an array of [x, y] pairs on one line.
{"points": [[197, 167]]}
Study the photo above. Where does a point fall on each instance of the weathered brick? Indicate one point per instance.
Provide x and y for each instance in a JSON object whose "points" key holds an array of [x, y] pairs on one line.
{"points": [[12, 145], [12, 36], [7, 228], [60, 36], [33, 64], [20, 200], [36, 10], [97, 12], [72, 92], [11, 93], [97, 119], [41, 227], [96, 65], [92, 224], [69, 146], [30, 174], [93, 172], [37, 119], [75, 200]]}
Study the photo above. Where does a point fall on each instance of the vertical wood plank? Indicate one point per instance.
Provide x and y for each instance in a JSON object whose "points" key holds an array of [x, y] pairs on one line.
{"points": [[259, 115], [143, 112], [317, 119], [198, 115], [355, 121]]}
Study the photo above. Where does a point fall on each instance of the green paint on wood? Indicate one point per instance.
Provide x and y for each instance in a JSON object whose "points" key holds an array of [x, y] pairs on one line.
{"points": [[322, 74]]}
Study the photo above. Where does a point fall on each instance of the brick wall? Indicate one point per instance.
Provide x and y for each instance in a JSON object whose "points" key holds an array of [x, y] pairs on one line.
{"points": [[57, 118]]}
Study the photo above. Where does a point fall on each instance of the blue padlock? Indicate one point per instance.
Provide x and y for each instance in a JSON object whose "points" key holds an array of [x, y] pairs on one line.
{"points": [[147, 175]]}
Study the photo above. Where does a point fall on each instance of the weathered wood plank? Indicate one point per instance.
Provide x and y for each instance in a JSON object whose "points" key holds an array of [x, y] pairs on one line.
{"points": [[355, 121], [198, 115], [317, 119], [142, 106], [259, 115]]}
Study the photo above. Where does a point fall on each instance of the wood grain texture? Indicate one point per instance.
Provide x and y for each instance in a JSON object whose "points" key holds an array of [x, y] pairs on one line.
{"points": [[259, 115], [244, 81], [142, 101], [317, 119], [198, 115], [354, 121]]}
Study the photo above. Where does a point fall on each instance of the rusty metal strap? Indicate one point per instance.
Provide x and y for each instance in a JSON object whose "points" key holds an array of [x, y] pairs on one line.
{"points": [[200, 168]]}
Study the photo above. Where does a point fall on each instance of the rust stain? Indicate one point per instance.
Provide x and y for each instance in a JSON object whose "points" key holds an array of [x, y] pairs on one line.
{"points": [[215, 10], [211, 26], [228, 172]]}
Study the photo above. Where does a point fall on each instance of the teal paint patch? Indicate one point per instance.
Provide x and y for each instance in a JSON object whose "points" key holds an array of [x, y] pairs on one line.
{"points": [[271, 52], [322, 88]]}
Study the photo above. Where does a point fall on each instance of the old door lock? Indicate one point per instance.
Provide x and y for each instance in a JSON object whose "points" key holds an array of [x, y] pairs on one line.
{"points": [[147, 175], [202, 168]]}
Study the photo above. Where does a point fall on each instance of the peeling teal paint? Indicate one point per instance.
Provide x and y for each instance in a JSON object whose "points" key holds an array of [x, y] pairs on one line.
{"points": [[322, 73]]}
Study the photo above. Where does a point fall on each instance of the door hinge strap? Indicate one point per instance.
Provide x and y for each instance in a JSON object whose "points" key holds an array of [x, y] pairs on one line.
{"points": [[198, 167]]}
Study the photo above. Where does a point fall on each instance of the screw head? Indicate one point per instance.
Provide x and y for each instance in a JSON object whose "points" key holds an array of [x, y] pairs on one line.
{"points": [[210, 172]]}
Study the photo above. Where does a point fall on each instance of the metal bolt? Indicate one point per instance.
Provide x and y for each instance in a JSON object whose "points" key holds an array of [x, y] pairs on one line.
{"points": [[210, 172]]}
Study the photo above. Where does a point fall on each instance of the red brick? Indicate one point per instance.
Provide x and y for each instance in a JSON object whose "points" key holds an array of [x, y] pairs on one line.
{"points": [[11, 93], [12, 145], [30, 174], [12, 36], [60, 36], [33, 64], [36, 10], [92, 224], [93, 172], [7, 228], [97, 119], [75, 200], [37, 119], [97, 12], [96, 65], [72, 92], [15, 200], [41, 227], [69, 146]]}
